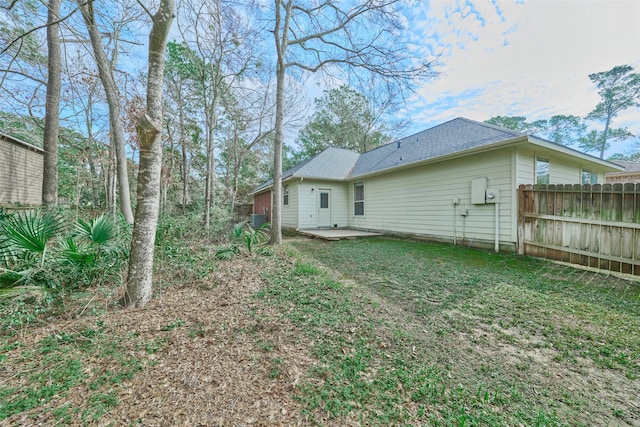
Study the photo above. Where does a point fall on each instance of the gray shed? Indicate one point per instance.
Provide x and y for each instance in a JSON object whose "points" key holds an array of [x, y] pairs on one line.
{"points": [[21, 169]]}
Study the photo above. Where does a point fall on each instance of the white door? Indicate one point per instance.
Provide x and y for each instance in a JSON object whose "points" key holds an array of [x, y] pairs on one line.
{"points": [[324, 207]]}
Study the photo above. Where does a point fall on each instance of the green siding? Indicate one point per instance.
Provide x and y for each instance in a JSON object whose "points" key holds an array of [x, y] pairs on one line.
{"points": [[420, 200], [290, 212], [563, 169], [308, 202]]}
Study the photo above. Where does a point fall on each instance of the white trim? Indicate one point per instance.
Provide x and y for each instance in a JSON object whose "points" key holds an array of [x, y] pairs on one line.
{"points": [[571, 152], [359, 183]]}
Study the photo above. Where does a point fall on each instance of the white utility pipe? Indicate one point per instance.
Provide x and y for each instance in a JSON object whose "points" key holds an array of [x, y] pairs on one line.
{"points": [[454, 224], [497, 239]]}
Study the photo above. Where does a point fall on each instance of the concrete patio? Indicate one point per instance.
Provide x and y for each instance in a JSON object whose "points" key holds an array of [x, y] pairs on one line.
{"points": [[336, 233]]}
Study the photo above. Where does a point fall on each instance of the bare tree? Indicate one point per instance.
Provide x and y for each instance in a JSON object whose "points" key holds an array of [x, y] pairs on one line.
{"points": [[84, 89], [311, 36], [139, 284], [105, 71], [52, 114], [248, 126], [182, 89], [222, 38]]}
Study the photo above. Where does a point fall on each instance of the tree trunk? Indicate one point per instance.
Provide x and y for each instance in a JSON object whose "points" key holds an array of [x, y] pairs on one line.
{"points": [[208, 182], [111, 180], [605, 135], [105, 72], [281, 48], [211, 121], [95, 191], [139, 284], [52, 114], [276, 206], [185, 176]]}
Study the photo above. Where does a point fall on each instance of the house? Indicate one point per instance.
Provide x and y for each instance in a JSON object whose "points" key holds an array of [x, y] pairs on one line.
{"points": [[631, 173], [21, 169], [456, 182]]}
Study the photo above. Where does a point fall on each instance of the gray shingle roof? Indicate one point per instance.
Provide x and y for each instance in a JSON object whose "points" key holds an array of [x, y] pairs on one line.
{"points": [[628, 166], [450, 137], [331, 164], [455, 136]]}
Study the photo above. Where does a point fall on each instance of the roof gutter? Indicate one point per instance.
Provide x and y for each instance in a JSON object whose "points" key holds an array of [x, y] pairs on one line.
{"points": [[571, 152], [270, 186]]}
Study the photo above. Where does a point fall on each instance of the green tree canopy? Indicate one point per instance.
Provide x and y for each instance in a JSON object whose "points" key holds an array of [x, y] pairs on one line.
{"points": [[343, 118], [561, 129], [519, 124], [619, 89], [596, 140], [565, 130]]}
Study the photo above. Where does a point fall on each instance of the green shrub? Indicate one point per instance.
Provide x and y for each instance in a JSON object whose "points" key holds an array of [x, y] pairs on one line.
{"points": [[245, 238], [34, 250]]}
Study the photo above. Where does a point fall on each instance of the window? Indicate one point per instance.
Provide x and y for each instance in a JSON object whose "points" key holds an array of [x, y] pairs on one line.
{"points": [[324, 200], [285, 196], [358, 198], [589, 177], [542, 171]]}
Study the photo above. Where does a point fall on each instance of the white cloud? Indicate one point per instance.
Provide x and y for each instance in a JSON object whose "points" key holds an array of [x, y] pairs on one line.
{"points": [[530, 59]]}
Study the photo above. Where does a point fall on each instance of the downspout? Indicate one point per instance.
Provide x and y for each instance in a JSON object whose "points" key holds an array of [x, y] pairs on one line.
{"points": [[455, 233], [298, 202], [493, 196], [497, 237]]}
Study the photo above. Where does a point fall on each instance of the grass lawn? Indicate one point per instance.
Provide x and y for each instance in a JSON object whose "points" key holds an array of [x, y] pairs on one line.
{"points": [[417, 333], [358, 332]]}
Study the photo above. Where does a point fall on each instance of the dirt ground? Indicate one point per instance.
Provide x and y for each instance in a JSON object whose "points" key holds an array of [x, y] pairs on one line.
{"points": [[210, 372], [213, 368]]}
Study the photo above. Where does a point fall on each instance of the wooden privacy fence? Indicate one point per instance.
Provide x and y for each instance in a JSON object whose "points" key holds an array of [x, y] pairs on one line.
{"points": [[592, 225]]}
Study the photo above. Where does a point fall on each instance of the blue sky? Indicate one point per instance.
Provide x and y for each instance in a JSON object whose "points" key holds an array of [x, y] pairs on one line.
{"points": [[527, 58]]}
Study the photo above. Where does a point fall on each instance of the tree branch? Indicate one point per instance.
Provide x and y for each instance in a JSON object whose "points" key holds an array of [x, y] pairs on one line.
{"points": [[145, 9], [348, 17], [21, 36], [20, 73], [10, 6]]}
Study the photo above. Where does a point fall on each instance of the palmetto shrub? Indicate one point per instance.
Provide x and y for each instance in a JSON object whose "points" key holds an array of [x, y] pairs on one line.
{"points": [[45, 249], [245, 238], [24, 245]]}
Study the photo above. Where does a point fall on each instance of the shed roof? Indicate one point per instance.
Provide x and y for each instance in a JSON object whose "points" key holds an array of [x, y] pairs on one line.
{"points": [[17, 141]]}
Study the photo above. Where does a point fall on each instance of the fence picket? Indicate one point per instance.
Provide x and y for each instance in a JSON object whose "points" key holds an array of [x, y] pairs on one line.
{"points": [[594, 225]]}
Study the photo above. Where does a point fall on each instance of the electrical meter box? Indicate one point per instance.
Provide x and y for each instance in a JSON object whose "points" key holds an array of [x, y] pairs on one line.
{"points": [[491, 195], [478, 191]]}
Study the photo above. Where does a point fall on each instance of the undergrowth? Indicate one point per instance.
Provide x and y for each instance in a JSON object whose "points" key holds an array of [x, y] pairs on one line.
{"points": [[417, 336], [62, 361]]}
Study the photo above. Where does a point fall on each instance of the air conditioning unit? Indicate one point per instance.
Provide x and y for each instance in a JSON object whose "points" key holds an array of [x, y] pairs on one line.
{"points": [[257, 220]]}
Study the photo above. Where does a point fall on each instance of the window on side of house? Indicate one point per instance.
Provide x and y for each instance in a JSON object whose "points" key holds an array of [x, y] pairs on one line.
{"points": [[358, 198], [285, 195], [542, 170], [589, 177]]}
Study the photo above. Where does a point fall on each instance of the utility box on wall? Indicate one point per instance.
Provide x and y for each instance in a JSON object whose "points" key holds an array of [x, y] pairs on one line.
{"points": [[478, 191], [491, 196]]}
